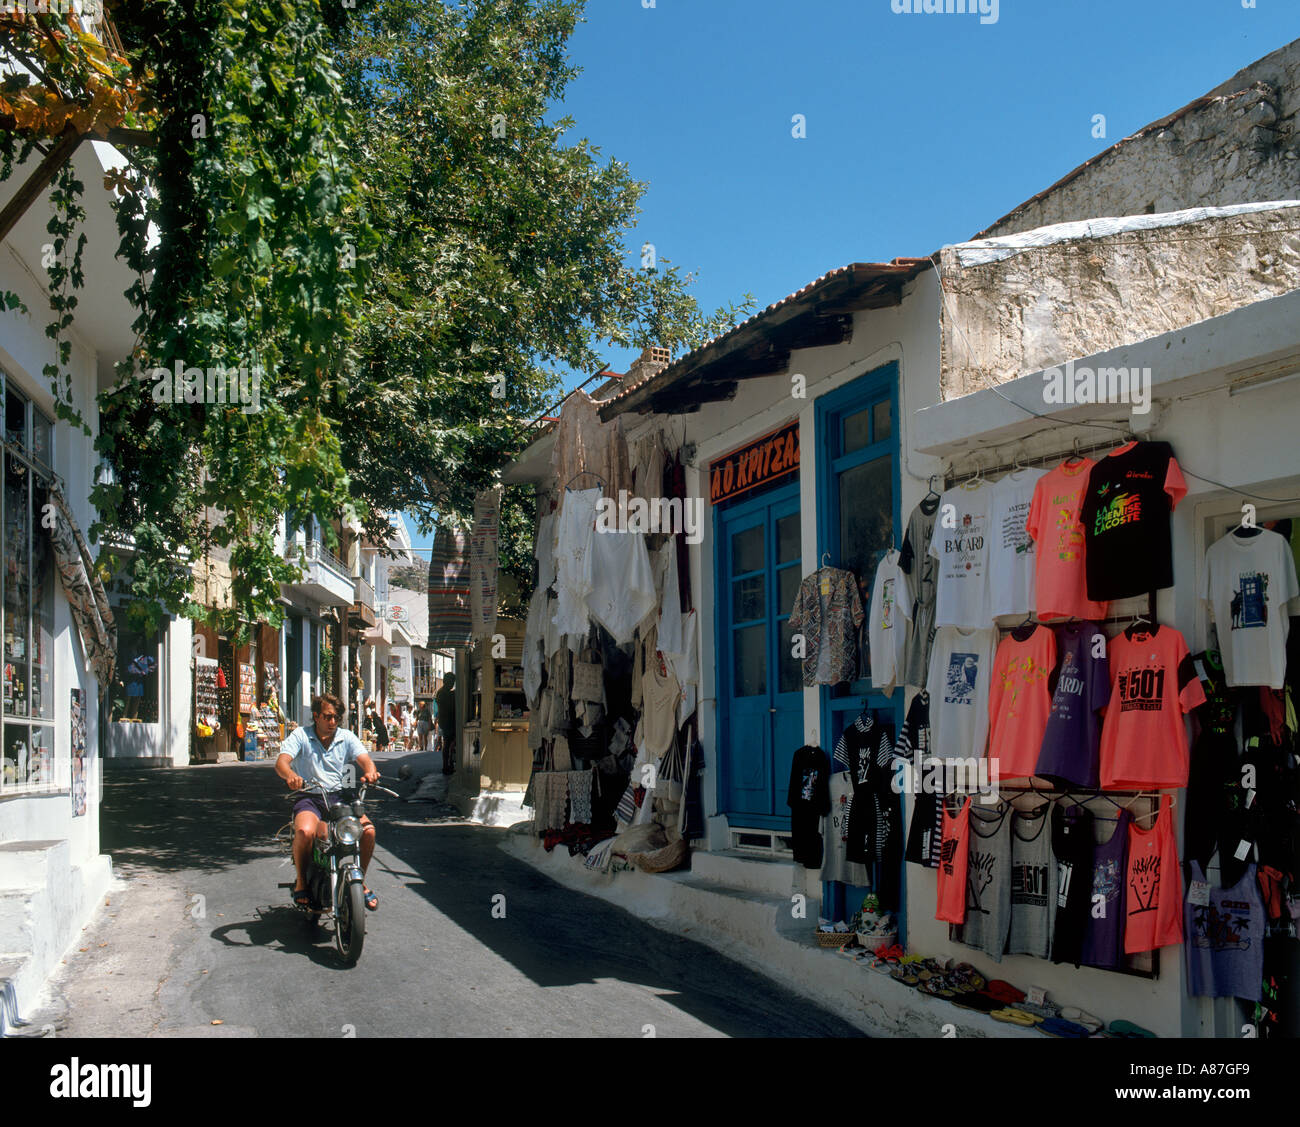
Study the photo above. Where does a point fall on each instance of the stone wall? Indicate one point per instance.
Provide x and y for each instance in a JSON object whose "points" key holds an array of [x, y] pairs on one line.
{"points": [[1044, 305], [1238, 144]]}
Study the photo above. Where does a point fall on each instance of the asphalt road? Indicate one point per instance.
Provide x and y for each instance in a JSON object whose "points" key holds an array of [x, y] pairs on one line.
{"points": [[197, 940]]}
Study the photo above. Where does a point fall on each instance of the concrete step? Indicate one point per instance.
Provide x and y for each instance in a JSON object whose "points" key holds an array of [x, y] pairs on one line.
{"points": [[27, 865], [773, 876], [18, 921]]}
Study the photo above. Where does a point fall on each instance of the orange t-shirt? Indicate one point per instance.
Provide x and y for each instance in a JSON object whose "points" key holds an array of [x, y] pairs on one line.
{"points": [[1061, 578], [1152, 683], [1153, 914], [954, 852], [1019, 703]]}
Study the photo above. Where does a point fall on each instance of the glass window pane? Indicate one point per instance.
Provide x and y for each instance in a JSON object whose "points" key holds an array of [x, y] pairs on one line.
{"points": [[42, 438], [857, 431], [880, 425], [751, 660], [40, 751], [749, 599], [17, 756], [866, 517], [17, 589], [15, 417], [747, 551], [788, 547], [787, 586], [790, 669], [42, 666], [137, 665]]}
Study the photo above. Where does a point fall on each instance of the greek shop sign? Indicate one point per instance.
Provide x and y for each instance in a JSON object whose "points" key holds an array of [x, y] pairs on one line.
{"points": [[756, 463]]}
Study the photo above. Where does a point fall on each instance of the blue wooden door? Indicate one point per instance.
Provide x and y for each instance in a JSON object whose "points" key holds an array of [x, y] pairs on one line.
{"points": [[759, 685]]}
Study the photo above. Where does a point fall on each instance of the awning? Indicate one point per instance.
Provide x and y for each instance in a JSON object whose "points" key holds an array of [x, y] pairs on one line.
{"points": [[86, 595]]}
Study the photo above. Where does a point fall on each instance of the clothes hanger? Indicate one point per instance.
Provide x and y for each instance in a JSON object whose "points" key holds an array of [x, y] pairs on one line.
{"points": [[979, 473], [1160, 805], [826, 559], [930, 491], [1251, 530]]}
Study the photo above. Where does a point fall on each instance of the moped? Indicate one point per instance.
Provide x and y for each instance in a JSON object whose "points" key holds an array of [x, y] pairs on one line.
{"points": [[334, 879]]}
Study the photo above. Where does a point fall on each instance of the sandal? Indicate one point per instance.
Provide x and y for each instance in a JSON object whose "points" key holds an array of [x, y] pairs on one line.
{"points": [[372, 901], [301, 898]]}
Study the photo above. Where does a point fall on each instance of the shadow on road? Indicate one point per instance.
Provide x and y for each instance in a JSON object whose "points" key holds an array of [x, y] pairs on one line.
{"points": [[283, 929]]}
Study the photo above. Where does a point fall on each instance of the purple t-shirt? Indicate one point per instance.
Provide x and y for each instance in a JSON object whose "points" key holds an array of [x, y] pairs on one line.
{"points": [[1103, 943], [1080, 689], [1225, 940]]}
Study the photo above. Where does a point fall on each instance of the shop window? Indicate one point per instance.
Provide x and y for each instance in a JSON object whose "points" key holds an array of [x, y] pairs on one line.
{"points": [[136, 694], [26, 600]]}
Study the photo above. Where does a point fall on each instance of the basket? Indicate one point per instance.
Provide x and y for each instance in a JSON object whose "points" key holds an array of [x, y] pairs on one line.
{"points": [[873, 942], [834, 938], [664, 860]]}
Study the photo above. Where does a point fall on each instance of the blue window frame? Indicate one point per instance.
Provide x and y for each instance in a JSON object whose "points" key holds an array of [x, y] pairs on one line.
{"points": [[858, 521]]}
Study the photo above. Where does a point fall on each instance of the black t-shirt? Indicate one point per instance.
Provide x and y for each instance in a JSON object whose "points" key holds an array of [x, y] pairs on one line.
{"points": [[1072, 847], [809, 798], [1128, 547]]}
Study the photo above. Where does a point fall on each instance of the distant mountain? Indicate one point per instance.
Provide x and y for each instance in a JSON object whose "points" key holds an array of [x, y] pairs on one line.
{"points": [[413, 577]]}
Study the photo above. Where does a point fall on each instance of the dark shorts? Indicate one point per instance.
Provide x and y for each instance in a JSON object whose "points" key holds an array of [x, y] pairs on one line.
{"points": [[315, 803]]}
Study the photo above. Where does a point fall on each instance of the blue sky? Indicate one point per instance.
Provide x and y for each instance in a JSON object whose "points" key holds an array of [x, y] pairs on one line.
{"points": [[922, 129]]}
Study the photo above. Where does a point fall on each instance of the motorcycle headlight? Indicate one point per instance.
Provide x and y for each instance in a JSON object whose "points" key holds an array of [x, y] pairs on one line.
{"points": [[348, 830]]}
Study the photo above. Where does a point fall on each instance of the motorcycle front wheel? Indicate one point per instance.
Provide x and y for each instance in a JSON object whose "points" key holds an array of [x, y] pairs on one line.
{"points": [[350, 923]]}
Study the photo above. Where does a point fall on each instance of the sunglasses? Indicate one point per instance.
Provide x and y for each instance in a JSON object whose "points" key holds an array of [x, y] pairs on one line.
{"points": [[328, 717]]}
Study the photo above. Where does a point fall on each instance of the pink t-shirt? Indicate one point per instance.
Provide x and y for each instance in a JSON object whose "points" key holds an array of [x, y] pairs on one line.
{"points": [[1019, 703], [1061, 579]]}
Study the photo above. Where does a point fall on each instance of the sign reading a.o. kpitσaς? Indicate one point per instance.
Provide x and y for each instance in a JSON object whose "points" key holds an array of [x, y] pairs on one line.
{"points": [[756, 463]]}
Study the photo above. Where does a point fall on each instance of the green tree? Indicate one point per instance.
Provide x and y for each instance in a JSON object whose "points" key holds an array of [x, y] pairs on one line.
{"points": [[503, 253]]}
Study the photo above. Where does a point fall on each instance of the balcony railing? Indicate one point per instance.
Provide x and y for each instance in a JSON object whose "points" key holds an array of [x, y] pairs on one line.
{"points": [[313, 551], [365, 595]]}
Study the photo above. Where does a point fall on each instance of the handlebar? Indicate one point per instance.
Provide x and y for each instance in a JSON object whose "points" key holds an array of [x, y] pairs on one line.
{"points": [[318, 788]]}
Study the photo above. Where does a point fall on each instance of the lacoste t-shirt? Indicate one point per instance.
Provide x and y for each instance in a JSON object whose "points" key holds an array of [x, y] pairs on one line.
{"points": [[1019, 701], [1152, 684], [1060, 581], [1125, 517], [1248, 582], [961, 669], [961, 544], [1011, 554], [1080, 687]]}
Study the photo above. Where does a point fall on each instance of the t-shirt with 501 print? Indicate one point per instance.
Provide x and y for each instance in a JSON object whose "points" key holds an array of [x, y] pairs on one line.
{"points": [[961, 544]]}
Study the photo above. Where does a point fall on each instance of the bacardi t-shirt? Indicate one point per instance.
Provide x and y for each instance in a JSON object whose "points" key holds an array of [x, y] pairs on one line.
{"points": [[1080, 687], [961, 544], [1011, 554], [961, 669], [1060, 581], [1249, 580], [1125, 517], [1152, 684], [1019, 701]]}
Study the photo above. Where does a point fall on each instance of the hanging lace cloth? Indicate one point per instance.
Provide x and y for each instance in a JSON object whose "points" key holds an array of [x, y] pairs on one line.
{"points": [[483, 562], [86, 596], [585, 445], [580, 797], [574, 575]]}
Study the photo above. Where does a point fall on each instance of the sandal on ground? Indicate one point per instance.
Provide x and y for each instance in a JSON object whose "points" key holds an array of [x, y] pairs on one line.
{"points": [[301, 898], [372, 901]]}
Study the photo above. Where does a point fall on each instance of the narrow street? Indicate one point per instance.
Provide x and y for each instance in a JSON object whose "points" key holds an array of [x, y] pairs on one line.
{"points": [[198, 940]]}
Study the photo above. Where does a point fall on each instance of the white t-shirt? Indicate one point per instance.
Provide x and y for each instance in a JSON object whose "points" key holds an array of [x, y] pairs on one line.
{"points": [[1248, 583], [961, 671], [835, 833], [1011, 554], [961, 543], [891, 608]]}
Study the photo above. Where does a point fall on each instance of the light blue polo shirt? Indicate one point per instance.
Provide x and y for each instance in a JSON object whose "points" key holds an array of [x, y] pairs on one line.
{"points": [[318, 764]]}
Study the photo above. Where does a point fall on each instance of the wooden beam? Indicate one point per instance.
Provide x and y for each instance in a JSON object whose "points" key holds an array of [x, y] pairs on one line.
{"points": [[131, 138], [39, 180]]}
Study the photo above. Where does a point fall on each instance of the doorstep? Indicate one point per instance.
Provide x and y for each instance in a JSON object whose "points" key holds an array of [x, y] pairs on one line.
{"points": [[747, 914]]}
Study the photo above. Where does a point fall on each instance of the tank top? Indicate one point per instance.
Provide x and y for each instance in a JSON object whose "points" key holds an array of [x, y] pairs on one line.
{"points": [[953, 854], [1072, 849], [1103, 942], [1033, 885], [1154, 886], [988, 882], [1225, 940]]}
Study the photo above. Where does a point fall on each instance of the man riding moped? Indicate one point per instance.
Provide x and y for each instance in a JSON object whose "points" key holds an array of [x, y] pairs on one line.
{"points": [[320, 755]]}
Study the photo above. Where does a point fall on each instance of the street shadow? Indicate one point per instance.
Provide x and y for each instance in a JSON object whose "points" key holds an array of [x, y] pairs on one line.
{"points": [[285, 930], [559, 937]]}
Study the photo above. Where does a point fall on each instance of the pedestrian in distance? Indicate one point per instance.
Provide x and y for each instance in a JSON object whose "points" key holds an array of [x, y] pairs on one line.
{"points": [[375, 723], [446, 700]]}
